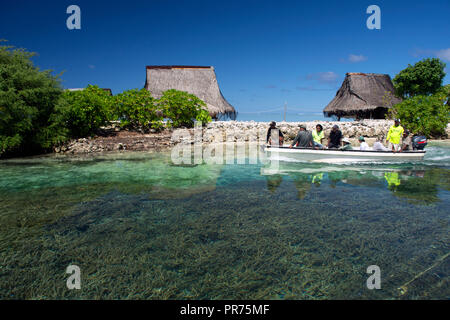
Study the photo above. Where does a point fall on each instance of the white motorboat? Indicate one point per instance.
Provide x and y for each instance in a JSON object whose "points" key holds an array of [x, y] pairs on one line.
{"points": [[335, 155]]}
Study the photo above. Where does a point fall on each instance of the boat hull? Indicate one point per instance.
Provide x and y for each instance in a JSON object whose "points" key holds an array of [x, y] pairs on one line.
{"points": [[334, 155]]}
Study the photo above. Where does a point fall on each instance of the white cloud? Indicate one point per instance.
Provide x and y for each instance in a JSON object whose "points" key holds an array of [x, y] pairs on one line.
{"points": [[356, 58], [443, 54], [323, 77]]}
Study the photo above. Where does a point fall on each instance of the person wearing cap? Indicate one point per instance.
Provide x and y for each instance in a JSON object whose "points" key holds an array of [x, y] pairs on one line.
{"points": [[363, 144], [277, 132], [347, 145], [318, 135], [395, 135], [304, 138], [406, 142], [334, 140]]}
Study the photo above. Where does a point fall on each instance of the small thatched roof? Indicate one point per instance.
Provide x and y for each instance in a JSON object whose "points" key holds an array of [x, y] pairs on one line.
{"points": [[363, 96], [200, 81]]}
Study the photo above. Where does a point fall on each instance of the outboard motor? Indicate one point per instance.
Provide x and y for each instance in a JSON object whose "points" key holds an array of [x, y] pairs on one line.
{"points": [[419, 142]]}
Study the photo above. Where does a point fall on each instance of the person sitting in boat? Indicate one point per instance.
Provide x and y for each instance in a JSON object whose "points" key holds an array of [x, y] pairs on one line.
{"points": [[334, 141], [378, 145], [363, 144], [273, 126], [406, 142], [394, 135], [318, 135], [304, 138], [347, 145]]}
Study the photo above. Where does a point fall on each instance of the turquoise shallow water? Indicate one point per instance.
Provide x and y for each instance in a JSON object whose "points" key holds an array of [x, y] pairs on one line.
{"points": [[140, 227]]}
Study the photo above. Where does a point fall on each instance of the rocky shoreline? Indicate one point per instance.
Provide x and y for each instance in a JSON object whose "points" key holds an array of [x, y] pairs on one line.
{"points": [[123, 140], [113, 138]]}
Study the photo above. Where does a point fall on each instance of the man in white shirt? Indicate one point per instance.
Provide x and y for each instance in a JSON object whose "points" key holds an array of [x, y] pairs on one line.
{"points": [[378, 146], [363, 144]]}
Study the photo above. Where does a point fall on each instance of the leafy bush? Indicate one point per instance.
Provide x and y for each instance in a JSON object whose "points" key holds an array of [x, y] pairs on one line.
{"points": [[182, 108], [137, 108], [84, 111], [428, 115], [445, 90], [424, 78], [28, 99]]}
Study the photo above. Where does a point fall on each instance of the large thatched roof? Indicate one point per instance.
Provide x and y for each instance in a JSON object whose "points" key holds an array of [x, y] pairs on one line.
{"points": [[363, 96], [200, 81]]}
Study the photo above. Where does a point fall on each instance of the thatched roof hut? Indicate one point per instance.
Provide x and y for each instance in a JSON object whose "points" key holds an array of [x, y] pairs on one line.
{"points": [[200, 81], [363, 96]]}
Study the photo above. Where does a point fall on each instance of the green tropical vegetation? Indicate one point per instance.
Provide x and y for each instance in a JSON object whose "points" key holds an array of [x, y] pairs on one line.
{"points": [[28, 101], [182, 107], [423, 78], [425, 107], [83, 112], [137, 108], [36, 113]]}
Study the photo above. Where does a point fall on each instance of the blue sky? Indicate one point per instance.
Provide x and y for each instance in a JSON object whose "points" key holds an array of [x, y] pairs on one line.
{"points": [[265, 53]]}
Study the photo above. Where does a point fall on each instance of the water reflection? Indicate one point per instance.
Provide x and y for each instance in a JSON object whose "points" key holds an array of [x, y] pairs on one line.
{"points": [[416, 185], [303, 185], [392, 179], [273, 182], [422, 186]]}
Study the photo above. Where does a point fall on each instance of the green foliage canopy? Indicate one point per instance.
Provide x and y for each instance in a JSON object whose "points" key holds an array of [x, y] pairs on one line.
{"points": [[84, 111], [137, 108], [424, 78], [181, 108], [28, 99]]}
